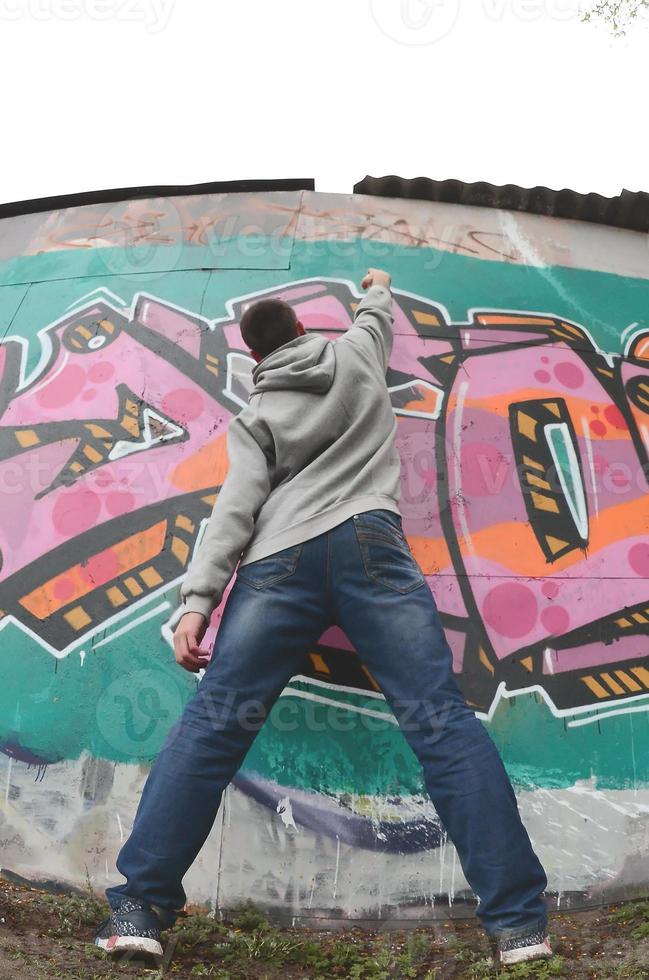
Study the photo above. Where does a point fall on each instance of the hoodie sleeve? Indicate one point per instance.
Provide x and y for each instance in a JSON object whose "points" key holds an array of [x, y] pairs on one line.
{"points": [[372, 326], [245, 488]]}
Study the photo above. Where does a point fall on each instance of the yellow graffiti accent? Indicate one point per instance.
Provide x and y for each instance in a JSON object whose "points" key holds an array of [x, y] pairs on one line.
{"points": [[630, 683], [78, 618], [150, 577], [426, 318], [526, 425], [319, 663], [541, 502], [597, 689], [642, 674], [555, 544], [553, 407], [613, 684], [537, 481], [27, 438], [185, 523], [115, 596], [180, 550], [485, 662], [133, 586], [370, 678]]}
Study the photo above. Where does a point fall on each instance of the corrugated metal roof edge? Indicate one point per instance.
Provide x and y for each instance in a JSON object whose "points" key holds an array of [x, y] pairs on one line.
{"points": [[630, 209]]}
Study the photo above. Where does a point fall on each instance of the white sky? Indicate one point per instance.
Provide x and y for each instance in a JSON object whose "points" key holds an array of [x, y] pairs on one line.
{"points": [[110, 93]]}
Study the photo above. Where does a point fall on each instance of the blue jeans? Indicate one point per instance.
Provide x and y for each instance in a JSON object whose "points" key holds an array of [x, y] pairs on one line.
{"points": [[362, 576]]}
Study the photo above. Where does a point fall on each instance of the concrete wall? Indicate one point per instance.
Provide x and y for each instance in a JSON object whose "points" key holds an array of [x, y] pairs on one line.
{"points": [[520, 379]]}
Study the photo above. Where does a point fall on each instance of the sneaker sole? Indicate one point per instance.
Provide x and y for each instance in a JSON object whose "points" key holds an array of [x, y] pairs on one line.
{"points": [[540, 951], [130, 944]]}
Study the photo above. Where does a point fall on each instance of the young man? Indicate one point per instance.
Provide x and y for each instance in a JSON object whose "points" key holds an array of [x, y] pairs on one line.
{"points": [[309, 511]]}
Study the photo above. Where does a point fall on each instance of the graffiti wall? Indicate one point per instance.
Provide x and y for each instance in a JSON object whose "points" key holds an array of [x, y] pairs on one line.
{"points": [[520, 382]]}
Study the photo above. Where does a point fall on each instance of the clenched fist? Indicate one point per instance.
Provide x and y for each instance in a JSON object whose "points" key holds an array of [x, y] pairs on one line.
{"points": [[187, 637], [376, 277]]}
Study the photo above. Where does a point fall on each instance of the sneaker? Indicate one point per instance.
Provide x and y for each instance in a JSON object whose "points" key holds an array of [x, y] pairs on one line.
{"points": [[133, 927], [534, 946]]}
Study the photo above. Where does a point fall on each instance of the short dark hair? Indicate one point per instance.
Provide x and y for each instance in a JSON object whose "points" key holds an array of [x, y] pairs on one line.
{"points": [[268, 324]]}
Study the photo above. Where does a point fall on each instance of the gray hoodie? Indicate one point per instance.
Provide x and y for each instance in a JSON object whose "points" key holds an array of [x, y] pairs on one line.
{"points": [[315, 445]]}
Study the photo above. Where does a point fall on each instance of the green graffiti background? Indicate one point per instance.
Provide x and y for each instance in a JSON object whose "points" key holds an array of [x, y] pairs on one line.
{"points": [[118, 701]]}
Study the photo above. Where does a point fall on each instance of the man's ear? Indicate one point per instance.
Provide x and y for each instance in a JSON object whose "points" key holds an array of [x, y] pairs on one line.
{"points": [[300, 329]]}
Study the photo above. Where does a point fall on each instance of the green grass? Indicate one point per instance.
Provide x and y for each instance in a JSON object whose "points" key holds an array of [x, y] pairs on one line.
{"points": [[247, 943], [73, 913], [205, 970], [540, 969], [635, 914], [249, 936], [248, 916], [195, 930]]}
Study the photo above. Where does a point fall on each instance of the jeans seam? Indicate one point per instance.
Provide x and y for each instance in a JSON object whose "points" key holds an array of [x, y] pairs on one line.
{"points": [[518, 932], [328, 590]]}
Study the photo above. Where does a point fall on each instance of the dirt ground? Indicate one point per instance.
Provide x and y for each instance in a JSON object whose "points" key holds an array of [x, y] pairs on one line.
{"points": [[50, 936]]}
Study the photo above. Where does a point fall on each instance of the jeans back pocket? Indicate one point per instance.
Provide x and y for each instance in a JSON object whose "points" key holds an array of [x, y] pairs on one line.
{"points": [[271, 569], [385, 551]]}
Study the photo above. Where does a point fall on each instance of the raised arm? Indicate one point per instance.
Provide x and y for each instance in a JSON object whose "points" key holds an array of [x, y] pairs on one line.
{"points": [[373, 318]]}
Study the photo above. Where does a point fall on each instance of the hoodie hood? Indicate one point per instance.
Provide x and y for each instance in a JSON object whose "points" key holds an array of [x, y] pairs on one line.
{"points": [[307, 363]]}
